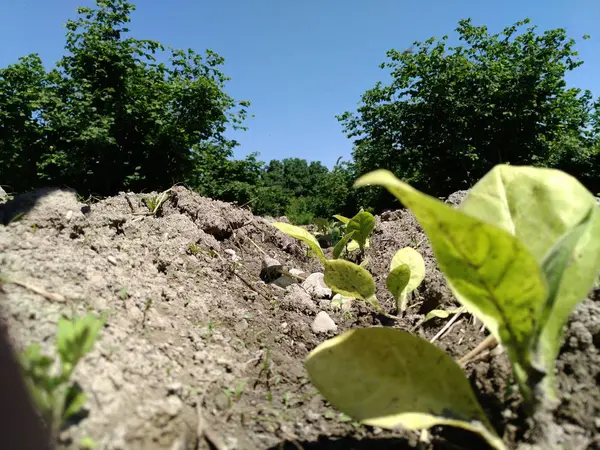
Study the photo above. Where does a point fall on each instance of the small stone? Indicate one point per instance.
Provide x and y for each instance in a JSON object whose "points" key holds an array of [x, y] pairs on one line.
{"points": [[175, 388], [316, 287], [232, 254], [69, 215], [111, 259], [323, 323], [173, 405]]}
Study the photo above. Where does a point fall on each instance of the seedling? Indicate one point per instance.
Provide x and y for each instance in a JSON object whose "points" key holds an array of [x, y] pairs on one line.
{"points": [[194, 248], [56, 396], [147, 307], [155, 202], [407, 271], [363, 223], [520, 253], [235, 393], [354, 280]]}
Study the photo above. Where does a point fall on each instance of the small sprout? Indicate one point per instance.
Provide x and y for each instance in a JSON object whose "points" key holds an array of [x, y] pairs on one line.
{"points": [[145, 312], [362, 225], [56, 396], [194, 248], [155, 202], [87, 443], [122, 294], [235, 393], [407, 271]]}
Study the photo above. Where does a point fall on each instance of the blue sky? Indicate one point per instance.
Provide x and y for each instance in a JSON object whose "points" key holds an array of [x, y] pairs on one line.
{"points": [[301, 62]]}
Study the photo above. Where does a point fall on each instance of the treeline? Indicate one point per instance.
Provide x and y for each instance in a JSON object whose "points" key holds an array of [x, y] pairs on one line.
{"points": [[120, 113]]}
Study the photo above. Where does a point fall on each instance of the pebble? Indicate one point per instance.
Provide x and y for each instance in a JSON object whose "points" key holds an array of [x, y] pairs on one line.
{"points": [[323, 323], [316, 287]]}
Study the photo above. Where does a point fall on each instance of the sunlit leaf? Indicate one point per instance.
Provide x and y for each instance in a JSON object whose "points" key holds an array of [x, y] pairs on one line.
{"points": [[303, 235], [349, 279], [413, 259], [389, 378], [489, 270]]}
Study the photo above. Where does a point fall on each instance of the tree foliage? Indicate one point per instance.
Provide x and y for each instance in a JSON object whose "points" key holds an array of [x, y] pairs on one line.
{"points": [[451, 113], [121, 113], [110, 115]]}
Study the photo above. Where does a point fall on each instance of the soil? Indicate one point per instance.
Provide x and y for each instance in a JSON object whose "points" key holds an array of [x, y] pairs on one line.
{"points": [[191, 328]]}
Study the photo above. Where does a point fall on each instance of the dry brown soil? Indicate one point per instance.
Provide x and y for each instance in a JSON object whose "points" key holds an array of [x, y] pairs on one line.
{"points": [[189, 330]]}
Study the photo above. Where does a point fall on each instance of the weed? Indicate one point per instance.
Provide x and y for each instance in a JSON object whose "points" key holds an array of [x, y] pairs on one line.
{"points": [[56, 396], [194, 249], [234, 394]]}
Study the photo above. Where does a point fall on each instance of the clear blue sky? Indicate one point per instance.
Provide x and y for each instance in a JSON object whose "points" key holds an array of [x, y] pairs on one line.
{"points": [[301, 62]]}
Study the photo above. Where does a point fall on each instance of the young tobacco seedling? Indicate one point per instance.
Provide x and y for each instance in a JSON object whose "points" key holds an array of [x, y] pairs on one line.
{"points": [[57, 398], [361, 225], [407, 271], [343, 277], [519, 253]]}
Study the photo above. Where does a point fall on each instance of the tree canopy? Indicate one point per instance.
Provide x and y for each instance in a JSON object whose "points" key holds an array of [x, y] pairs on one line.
{"points": [[451, 113], [121, 113]]}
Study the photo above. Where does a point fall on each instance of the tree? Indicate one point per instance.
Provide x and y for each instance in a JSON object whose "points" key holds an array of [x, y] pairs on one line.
{"points": [[113, 116], [23, 93], [450, 114]]}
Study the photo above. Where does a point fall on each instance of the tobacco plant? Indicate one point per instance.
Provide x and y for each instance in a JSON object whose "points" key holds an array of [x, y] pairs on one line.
{"points": [[521, 251]]}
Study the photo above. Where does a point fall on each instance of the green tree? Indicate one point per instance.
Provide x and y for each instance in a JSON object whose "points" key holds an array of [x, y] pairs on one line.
{"points": [[23, 93], [451, 113], [112, 116]]}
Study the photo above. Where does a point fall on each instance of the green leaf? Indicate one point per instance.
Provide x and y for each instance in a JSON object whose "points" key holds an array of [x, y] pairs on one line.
{"points": [[349, 279], [540, 207], [413, 259], [396, 282], [301, 234], [389, 378], [74, 400], [489, 271], [362, 224], [571, 268], [353, 245], [64, 340], [440, 314], [342, 219], [339, 247]]}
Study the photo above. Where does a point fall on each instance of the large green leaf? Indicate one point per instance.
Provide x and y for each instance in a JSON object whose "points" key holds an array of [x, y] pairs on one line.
{"points": [[413, 259], [352, 280], [489, 270], [542, 207], [536, 205], [389, 378], [362, 224], [301, 234], [571, 268]]}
